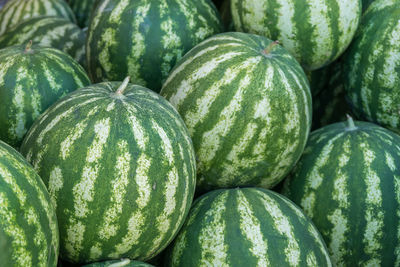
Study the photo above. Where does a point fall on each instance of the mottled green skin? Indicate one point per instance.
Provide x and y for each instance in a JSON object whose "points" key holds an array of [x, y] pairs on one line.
{"points": [[248, 110], [82, 10], [119, 263], [371, 67], [316, 32], [366, 3], [145, 39], [30, 81], [247, 227], [15, 11], [120, 168], [329, 103], [348, 182], [28, 223], [48, 31]]}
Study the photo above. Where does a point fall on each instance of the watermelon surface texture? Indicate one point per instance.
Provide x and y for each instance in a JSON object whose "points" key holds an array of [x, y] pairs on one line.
{"points": [[246, 102], [16, 11], [316, 32], [119, 263], [120, 168], [371, 68], [144, 39], [31, 79], [247, 227], [348, 183], [28, 223], [48, 31]]}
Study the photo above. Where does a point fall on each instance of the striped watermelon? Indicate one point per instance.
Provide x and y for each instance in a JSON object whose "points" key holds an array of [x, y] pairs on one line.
{"points": [[82, 10], [246, 102], [316, 32], [48, 31], [119, 263], [15, 11], [28, 223], [144, 39], [31, 79], [371, 68], [120, 170], [247, 227], [348, 182]]}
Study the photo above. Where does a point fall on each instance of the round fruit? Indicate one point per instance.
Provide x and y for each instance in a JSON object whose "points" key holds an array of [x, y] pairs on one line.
{"points": [[144, 39], [31, 79], [28, 223], [247, 105], [348, 183], [316, 32], [118, 161], [16, 11], [247, 227], [371, 68], [47, 31]]}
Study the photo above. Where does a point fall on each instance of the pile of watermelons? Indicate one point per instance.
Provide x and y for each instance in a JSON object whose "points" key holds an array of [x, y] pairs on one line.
{"points": [[193, 133]]}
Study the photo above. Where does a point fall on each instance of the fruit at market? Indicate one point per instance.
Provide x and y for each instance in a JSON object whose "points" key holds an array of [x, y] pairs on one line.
{"points": [[247, 227], [372, 65], [31, 79], [53, 32], [15, 11], [247, 105], [119, 263], [82, 10], [144, 39], [348, 183], [316, 32], [120, 168], [28, 223]]}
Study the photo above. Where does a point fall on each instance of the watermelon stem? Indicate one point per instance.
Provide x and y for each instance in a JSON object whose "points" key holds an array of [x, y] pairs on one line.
{"points": [[350, 123], [268, 50], [28, 47], [123, 86]]}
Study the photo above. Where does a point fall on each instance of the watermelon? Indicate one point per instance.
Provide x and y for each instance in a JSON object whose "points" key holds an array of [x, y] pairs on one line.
{"points": [[246, 102], [31, 79], [15, 11], [371, 68], [247, 227], [120, 170], [316, 32], [119, 263], [28, 223], [82, 10], [348, 183], [48, 31], [144, 39]]}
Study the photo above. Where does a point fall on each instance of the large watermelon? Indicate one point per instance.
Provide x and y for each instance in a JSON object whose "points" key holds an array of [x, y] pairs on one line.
{"points": [[316, 32], [15, 11], [120, 167], [48, 31], [28, 223], [82, 10], [348, 182], [372, 79], [247, 227], [246, 102], [144, 39], [31, 79]]}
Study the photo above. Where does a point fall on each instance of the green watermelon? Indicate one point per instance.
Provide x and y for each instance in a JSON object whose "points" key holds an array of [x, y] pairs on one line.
{"points": [[246, 102], [247, 227], [120, 170], [15, 11], [28, 223], [31, 79], [144, 39], [372, 63], [119, 263], [348, 183], [54, 32], [316, 32], [82, 10]]}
